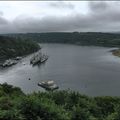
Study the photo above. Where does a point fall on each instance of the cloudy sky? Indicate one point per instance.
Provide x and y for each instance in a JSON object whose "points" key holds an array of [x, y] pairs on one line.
{"points": [[59, 16]]}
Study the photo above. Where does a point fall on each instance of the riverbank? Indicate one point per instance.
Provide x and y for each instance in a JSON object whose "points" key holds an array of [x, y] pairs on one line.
{"points": [[116, 52]]}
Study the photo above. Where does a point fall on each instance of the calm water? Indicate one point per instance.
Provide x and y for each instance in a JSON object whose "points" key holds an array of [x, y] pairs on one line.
{"points": [[89, 70]]}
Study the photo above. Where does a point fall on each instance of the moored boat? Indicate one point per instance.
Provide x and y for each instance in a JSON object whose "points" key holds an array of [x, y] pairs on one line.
{"points": [[9, 62], [38, 58], [18, 58], [48, 85]]}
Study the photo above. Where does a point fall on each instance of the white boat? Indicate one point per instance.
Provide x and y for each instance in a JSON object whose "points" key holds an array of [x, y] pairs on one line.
{"points": [[24, 63], [18, 58], [9, 62], [38, 58], [48, 85]]}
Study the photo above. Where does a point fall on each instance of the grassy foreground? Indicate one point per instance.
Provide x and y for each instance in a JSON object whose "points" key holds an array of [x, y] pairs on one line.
{"points": [[59, 105]]}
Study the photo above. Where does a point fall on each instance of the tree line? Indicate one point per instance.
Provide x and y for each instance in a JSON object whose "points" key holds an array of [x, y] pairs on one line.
{"points": [[80, 38]]}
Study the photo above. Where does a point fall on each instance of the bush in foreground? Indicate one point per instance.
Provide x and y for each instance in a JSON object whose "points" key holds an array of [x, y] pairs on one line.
{"points": [[58, 105]]}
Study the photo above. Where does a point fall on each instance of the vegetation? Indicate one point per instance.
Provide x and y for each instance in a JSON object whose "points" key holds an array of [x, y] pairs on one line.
{"points": [[12, 47], [58, 105], [85, 38]]}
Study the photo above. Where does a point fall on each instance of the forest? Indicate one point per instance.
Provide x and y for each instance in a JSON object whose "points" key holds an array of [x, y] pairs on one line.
{"points": [[12, 47], [79, 38]]}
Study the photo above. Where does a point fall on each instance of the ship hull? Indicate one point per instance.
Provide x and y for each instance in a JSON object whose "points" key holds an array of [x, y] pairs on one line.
{"points": [[39, 62]]}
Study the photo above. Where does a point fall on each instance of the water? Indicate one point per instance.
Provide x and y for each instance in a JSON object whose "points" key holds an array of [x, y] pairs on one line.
{"points": [[90, 70]]}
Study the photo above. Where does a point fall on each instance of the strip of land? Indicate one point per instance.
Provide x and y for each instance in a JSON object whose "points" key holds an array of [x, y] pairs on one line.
{"points": [[116, 52]]}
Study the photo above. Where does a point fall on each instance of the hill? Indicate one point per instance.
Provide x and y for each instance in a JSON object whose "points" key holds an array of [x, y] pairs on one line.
{"points": [[85, 38], [12, 47]]}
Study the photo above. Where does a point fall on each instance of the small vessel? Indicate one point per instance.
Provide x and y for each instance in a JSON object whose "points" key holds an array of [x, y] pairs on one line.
{"points": [[48, 85], [18, 58], [23, 63], [9, 62], [38, 58]]}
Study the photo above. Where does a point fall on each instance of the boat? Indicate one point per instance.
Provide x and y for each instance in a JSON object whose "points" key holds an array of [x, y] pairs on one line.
{"points": [[38, 58], [23, 63], [9, 62], [48, 85], [18, 58]]}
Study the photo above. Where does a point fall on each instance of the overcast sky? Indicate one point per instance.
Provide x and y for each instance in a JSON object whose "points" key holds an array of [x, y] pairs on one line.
{"points": [[59, 16]]}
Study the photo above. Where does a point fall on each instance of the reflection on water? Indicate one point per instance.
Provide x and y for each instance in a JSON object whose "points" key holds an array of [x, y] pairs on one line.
{"points": [[90, 70]]}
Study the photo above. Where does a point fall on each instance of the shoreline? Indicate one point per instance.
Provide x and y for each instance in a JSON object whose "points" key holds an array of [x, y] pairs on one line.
{"points": [[23, 56], [116, 52]]}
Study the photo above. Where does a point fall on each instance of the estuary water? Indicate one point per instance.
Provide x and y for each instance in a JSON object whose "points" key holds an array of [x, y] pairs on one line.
{"points": [[93, 71]]}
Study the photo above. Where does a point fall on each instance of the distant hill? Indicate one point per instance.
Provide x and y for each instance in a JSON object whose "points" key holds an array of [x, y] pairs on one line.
{"points": [[12, 47], [84, 38]]}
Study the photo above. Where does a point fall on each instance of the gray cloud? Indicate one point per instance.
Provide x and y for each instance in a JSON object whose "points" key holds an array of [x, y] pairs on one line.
{"points": [[1, 13], [61, 4], [103, 16], [109, 14], [52, 24], [98, 6], [3, 21]]}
